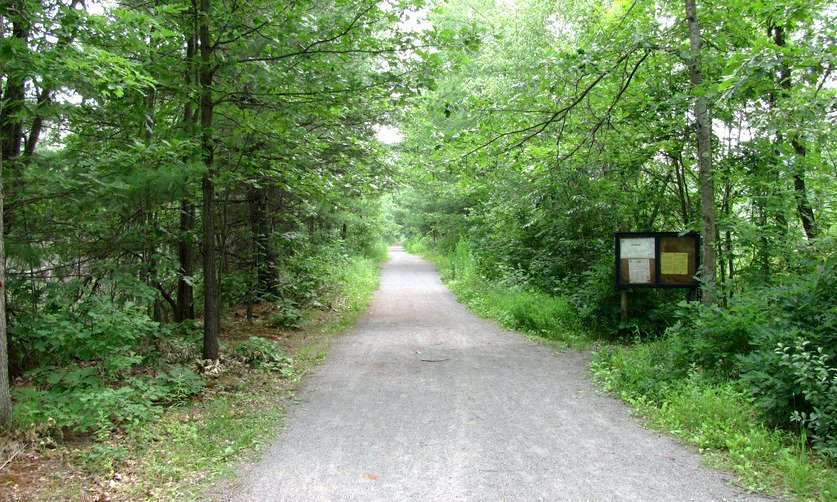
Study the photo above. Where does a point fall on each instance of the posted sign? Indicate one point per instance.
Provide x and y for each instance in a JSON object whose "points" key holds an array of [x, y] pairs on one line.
{"points": [[656, 260]]}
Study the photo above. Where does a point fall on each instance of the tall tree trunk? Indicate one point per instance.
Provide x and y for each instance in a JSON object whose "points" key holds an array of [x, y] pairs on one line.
{"points": [[803, 207], [728, 233], [703, 122], [5, 397], [682, 189], [212, 297], [185, 257], [44, 100], [267, 273], [11, 142], [11, 105], [658, 201], [150, 217], [185, 253]]}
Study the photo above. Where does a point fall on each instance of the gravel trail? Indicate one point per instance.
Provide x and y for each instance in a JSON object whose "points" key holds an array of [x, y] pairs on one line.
{"points": [[423, 400]]}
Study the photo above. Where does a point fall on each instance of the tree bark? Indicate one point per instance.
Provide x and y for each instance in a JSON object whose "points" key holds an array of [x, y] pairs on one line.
{"points": [[267, 273], [44, 100], [682, 189], [5, 397], [803, 207], [185, 254], [212, 297], [185, 257], [703, 122], [11, 142], [11, 125]]}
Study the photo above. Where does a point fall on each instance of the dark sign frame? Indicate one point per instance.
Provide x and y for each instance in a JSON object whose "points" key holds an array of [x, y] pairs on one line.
{"points": [[657, 275]]}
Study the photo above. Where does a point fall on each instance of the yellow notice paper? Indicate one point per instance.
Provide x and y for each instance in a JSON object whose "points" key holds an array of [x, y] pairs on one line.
{"points": [[674, 264]]}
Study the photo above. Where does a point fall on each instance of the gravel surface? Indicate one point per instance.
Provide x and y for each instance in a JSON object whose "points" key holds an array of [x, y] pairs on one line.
{"points": [[423, 400]]}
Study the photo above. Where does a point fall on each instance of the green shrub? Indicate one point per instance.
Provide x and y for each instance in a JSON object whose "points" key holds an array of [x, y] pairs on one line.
{"points": [[176, 385], [596, 298], [715, 415], [95, 327], [80, 400], [815, 375], [707, 414], [714, 338], [640, 372], [266, 354], [286, 315], [541, 314], [791, 368], [781, 342]]}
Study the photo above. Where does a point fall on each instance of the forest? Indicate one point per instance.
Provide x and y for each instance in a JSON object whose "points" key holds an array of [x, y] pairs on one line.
{"points": [[568, 122], [178, 174]]}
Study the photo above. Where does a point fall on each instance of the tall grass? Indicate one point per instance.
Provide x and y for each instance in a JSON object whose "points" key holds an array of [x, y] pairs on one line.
{"points": [[514, 307], [358, 280], [717, 415]]}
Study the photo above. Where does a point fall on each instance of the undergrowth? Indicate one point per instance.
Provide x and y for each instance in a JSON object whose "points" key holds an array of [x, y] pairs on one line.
{"points": [[663, 378], [720, 417], [200, 426], [513, 306]]}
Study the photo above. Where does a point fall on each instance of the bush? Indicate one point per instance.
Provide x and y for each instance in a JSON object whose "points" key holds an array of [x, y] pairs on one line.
{"points": [[80, 400], [265, 354], [816, 377], [286, 315], [541, 314], [714, 338], [715, 415], [95, 327], [791, 369], [175, 386], [780, 341], [640, 372]]}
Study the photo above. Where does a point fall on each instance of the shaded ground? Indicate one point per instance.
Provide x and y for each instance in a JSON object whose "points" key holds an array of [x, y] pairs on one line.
{"points": [[426, 401], [175, 457]]}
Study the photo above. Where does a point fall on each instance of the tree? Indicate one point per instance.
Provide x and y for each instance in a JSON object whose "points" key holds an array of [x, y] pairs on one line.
{"points": [[580, 120], [212, 297], [11, 103], [5, 397], [703, 123], [270, 106]]}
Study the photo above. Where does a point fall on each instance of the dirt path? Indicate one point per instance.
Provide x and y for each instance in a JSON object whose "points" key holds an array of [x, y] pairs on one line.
{"points": [[425, 401]]}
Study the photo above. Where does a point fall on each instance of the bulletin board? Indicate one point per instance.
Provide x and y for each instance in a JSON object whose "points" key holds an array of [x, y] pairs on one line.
{"points": [[657, 260]]}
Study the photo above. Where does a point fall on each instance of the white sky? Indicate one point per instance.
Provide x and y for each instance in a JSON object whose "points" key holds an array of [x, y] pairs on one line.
{"points": [[388, 135]]}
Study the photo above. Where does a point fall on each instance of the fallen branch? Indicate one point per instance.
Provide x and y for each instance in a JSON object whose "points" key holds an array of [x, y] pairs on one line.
{"points": [[7, 462]]}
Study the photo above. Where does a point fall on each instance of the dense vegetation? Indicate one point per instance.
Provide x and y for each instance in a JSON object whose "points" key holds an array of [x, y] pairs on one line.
{"points": [[166, 162], [567, 122], [170, 167]]}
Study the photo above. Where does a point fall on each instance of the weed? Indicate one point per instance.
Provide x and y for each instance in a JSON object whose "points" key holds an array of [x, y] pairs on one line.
{"points": [[516, 307], [721, 418]]}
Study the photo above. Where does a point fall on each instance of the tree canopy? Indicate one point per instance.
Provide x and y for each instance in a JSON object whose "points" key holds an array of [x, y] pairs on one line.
{"points": [[563, 123], [165, 163]]}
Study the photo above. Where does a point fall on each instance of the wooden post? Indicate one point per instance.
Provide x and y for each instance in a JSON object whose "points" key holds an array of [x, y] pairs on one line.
{"points": [[692, 295], [624, 302]]}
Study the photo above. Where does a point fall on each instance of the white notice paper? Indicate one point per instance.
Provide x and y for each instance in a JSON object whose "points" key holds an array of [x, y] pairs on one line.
{"points": [[636, 247], [639, 271]]}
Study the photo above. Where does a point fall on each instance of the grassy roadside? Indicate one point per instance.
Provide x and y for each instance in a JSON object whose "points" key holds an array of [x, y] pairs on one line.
{"points": [[548, 318], [718, 417], [195, 444]]}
